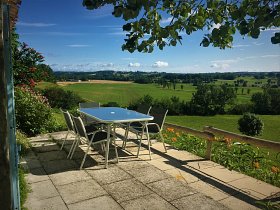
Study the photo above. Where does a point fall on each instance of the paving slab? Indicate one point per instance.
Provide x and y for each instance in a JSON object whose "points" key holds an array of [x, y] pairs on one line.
{"points": [[148, 174], [133, 164], [202, 164], [127, 190], [170, 189], [68, 177], [52, 155], [255, 188], [223, 174], [164, 164], [59, 166], [36, 175], [235, 203], [45, 147], [213, 192], [42, 190], [109, 175], [183, 156], [151, 201], [80, 191], [54, 203], [100, 203], [183, 176], [197, 201], [33, 163]]}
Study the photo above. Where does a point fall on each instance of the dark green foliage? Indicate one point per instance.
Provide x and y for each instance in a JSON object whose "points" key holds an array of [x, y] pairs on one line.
{"points": [[251, 125], [211, 99], [33, 114], [111, 104], [23, 187], [59, 98], [267, 102], [23, 142], [145, 30], [241, 108]]}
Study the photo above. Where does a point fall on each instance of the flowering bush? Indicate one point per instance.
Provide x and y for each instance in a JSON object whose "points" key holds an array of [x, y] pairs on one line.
{"points": [[237, 156], [33, 114]]}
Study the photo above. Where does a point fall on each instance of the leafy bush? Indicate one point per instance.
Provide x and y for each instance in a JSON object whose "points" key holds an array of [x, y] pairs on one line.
{"points": [[111, 104], [23, 187], [33, 114], [59, 98], [23, 141], [239, 109], [250, 124]]}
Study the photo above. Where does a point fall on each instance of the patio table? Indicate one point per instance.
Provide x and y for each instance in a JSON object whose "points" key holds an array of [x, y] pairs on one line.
{"points": [[112, 116]]}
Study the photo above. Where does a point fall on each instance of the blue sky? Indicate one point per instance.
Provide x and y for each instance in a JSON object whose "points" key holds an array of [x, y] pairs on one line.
{"points": [[72, 38]]}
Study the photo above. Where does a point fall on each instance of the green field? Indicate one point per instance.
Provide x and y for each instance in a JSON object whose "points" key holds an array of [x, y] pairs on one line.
{"points": [[123, 94], [229, 123]]}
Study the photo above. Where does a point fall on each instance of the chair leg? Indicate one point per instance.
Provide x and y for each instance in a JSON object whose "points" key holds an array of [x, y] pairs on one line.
{"points": [[126, 136], [140, 142], [64, 140], [162, 139], [149, 142], [72, 146], [107, 146], [116, 151], [83, 161]]}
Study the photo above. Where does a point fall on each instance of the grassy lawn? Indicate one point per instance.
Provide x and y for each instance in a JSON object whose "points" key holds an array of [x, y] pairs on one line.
{"points": [[229, 123], [123, 94]]}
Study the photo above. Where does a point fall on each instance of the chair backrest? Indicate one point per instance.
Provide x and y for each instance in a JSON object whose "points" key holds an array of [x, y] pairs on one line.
{"points": [[85, 118], [68, 120], [89, 104], [79, 125], [143, 108], [159, 115]]}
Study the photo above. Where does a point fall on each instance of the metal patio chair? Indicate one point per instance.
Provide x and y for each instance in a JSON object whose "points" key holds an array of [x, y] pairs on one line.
{"points": [[153, 127], [70, 126], [95, 137]]}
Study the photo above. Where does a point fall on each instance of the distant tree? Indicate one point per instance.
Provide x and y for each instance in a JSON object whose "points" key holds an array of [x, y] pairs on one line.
{"points": [[248, 91], [146, 29], [251, 125], [182, 86], [236, 89], [262, 103], [242, 91], [211, 99]]}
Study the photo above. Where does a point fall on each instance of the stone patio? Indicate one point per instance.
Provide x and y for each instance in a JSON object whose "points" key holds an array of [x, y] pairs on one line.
{"points": [[172, 180]]}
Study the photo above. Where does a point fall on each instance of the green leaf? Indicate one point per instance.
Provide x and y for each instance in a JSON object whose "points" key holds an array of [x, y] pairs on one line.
{"points": [[127, 27]]}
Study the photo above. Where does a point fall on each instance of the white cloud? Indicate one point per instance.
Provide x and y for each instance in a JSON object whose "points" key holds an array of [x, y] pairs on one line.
{"points": [[166, 20], [106, 64], [134, 64], [270, 56], [77, 45], [218, 25], [160, 64], [272, 29], [35, 24], [222, 66], [240, 45]]}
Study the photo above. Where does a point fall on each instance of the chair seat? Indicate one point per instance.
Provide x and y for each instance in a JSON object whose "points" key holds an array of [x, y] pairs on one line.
{"points": [[92, 127], [99, 136], [136, 124], [151, 128]]}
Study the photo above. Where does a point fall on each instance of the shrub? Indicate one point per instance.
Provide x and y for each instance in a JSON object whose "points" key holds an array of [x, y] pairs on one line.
{"points": [[33, 114], [241, 108], [23, 141], [111, 104], [250, 124], [59, 98]]}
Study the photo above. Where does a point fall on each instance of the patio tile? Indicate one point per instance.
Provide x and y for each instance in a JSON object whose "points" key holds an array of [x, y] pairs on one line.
{"points": [[182, 156], [53, 155], [171, 189], [235, 203], [33, 163], [69, 177], [183, 176], [223, 174], [109, 175], [36, 175], [54, 203], [42, 190], [152, 201], [255, 188], [127, 190], [148, 174], [46, 147], [100, 203], [80, 191], [202, 164], [133, 164], [59, 166], [164, 164], [197, 201], [213, 192]]}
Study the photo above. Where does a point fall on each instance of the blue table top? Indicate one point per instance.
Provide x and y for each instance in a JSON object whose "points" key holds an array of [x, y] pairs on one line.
{"points": [[115, 115]]}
